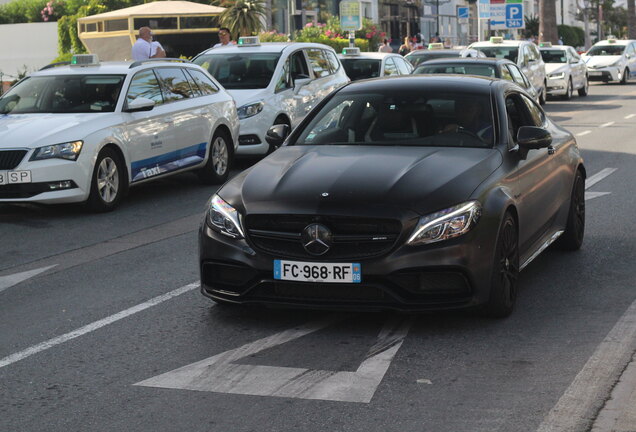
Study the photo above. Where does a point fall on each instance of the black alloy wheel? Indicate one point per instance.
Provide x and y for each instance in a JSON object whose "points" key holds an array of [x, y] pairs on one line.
{"points": [[505, 272], [572, 237], [217, 169], [109, 182], [625, 76], [543, 96], [569, 91], [583, 91]]}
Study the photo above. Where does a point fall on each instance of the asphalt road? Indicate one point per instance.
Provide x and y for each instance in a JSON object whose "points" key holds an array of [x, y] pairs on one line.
{"points": [[102, 327]]}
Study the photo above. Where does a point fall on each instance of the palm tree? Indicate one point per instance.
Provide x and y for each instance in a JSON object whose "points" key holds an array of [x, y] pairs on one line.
{"points": [[243, 17], [548, 31], [631, 19]]}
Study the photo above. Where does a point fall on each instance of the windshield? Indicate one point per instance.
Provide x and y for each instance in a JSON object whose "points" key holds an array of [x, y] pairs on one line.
{"points": [[554, 56], [63, 94], [606, 50], [239, 71], [507, 52], [461, 69], [419, 58], [402, 118], [357, 69]]}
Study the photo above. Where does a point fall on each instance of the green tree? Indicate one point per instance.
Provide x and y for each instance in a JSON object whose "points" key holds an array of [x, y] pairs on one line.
{"points": [[243, 17], [532, 26]]}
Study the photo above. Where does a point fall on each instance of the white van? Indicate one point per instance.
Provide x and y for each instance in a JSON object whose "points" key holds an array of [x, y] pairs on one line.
{"points": [[272, 83]]}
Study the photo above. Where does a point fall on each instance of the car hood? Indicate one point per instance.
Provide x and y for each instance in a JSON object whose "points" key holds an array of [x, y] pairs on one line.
{"points": [[35, 130], [552, 68], [243, 97], [360, 179], [600, 61]]}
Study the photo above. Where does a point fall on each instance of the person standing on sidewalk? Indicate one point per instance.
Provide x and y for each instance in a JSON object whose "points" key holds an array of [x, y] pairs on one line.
{"points": [[145, 48]]}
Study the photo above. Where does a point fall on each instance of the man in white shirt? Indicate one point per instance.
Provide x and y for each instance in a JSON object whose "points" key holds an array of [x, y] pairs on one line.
{"points": [[145, 48], [225, 38]]}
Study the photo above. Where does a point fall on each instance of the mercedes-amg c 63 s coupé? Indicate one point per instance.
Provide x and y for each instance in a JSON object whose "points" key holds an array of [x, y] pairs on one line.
{"points": [[410, 193]]}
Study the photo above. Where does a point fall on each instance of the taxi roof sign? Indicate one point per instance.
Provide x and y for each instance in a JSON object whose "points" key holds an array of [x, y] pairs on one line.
{"points": [[351, 51], [436, 46], [496, 39], [248, 41], [84, 60], [611, 41], [545, 44]]}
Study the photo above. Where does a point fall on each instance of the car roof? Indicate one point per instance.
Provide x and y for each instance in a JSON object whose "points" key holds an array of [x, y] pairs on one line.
{"points": [[369, 55], [615, 42], [109, 68], [504, 43], [427, 51], [555, 47], [265, 47], [459, 83], [467, 60]]}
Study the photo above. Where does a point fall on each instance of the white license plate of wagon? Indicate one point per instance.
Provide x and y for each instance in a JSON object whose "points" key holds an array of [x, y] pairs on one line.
{"points": [[301, 271], [15, 177]]}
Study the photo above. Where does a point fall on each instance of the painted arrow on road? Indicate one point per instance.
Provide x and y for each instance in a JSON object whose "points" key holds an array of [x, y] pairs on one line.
{"points": [[14, 279], [591, 181]]}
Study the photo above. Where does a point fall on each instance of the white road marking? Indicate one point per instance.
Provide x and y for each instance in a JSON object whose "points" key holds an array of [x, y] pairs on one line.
{"points": [[592, 195], [16, 357], [222, 374], [586, 394], [584, 133], [14, 279], [604, 125], [627, 117], [591, 181]]}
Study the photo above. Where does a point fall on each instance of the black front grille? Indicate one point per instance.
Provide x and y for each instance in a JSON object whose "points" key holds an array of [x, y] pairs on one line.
{"points": [[353, 238], [10, 159]]}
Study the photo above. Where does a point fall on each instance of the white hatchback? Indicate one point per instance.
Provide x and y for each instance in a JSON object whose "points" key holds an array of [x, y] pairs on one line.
{"points": [[86, 132], [611, 60], [565, 70], [272, 83]]}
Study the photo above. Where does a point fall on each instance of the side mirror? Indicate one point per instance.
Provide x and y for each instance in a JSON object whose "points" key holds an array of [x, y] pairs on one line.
{"points": [[299, 83], [276, 135], [140, 104], [532, 137]]}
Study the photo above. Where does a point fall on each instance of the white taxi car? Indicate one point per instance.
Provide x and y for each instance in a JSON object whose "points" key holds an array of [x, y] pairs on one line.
{"points": [[85, 132], [272, 83], [362, 65], [566, 70], [524, 53], [611, 60]]}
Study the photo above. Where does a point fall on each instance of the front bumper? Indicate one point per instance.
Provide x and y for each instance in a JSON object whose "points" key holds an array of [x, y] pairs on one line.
{"points": [[454, 274], [557, 87], [252, 135], [610, 73]]}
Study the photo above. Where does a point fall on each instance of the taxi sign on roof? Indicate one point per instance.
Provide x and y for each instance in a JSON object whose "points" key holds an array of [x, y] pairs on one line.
{"points": [[249, 41], [436, 46], [351, 51], [496, 39], [545, 44], [84, 60]]}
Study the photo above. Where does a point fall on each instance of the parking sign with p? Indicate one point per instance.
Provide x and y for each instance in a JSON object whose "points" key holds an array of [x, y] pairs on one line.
{"points": [[514, 15]]}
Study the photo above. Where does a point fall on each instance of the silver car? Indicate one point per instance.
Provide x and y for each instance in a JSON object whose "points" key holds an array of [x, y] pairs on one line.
{"points": [[566, 70], [611, 60]]}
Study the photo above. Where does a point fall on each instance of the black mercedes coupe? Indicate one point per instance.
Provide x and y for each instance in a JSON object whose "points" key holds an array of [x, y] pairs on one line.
{"points": [[411, 193]]}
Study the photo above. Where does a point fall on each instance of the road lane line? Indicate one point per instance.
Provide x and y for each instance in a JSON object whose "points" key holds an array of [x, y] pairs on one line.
{"points": [[604, 125], [35, 349], [575, 410], [14, 279], [627, 117], [591, 181], [584, 133]]}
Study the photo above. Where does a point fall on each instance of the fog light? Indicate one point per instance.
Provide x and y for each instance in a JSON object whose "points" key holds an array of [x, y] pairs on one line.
{"points": [[249, 140], [66, 184]]}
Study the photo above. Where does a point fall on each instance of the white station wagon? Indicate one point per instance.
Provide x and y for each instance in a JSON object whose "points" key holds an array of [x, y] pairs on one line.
{"points": [[85, 132]]}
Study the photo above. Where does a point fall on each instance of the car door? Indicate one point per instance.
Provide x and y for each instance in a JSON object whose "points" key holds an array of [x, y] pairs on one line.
{"points": [[321, 84], [404, 67], [189, 126], [536, 66], [301, 79], [542, 185], [630, 54], [147, 133]]}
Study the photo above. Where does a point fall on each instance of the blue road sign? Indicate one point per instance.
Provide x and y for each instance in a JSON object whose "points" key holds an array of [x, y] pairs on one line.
{"points": [[514, 15], [462, 12]]}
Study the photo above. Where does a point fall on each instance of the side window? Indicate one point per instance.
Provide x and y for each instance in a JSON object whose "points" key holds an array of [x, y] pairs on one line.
{"points": [[575, 56], [537, 118], [174, 84], [533, 53], [403, 66], [630, 49], [318, 63], [517, 76], [333, 61], [505, 73], [196, 91], [390, 68], [145, 84], [284, 80], [298, 65], [205, 84]]}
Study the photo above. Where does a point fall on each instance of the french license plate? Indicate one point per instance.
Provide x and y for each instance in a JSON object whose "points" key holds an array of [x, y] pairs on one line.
{"points": [[594, 73], [14, 177], [317, 272]]}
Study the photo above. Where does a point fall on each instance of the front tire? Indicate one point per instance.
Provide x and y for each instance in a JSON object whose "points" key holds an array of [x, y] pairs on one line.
{"points": [[583, 91], [544, 94], [572, 237], [109, 182], [217, 168], [505, 272], [625, 76], [569, 91]]}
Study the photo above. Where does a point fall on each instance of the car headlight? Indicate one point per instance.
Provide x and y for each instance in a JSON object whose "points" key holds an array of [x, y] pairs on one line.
{"points": [[250, 110], [557, 75], [68, 151], [224, 218], [445, 224]]}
